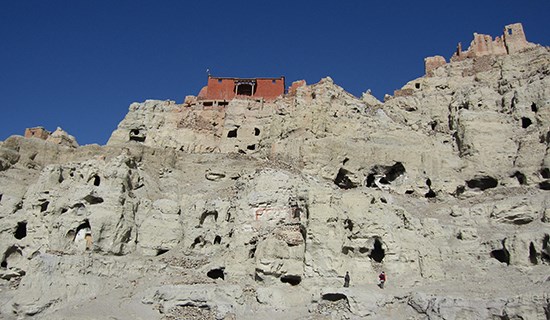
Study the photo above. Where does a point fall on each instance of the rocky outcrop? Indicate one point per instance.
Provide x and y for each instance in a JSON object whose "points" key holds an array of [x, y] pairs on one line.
{"points": [[257, 209]]}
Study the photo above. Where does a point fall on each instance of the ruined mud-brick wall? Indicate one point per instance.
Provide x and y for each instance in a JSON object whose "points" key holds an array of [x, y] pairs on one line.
{"points": [[431, 63], [37, 132], [512, 41], [225, 88]]}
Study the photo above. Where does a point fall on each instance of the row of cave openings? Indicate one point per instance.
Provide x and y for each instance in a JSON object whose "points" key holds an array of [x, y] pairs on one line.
{"points": [[488, 182], [83, 231], [526, 121], [91, 199], [383, 175], [535, 257], [93, 179], [219, 273], [233, 133], [376, 253]]}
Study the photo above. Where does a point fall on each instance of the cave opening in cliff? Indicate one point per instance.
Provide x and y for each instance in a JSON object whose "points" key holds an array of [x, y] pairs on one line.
{"points": [[417, 85], [334, 296], [44, 206], [502, 255], [520, 177], [534, 107], [161, 251], [216, 273], [21, 230], [217, 239], [232, 133], [10, 252], [343, 181], [430, 194], [545, 173], [533, 254], [198, 240], [1, 197], [251, 147], [293, 280], [92, 199], [393, 173], [482, 183], [545, 253], [370, 181], [347, 250], [544, 185], [136, 135], [85, 225], [97, 180], [256, 132], [526, 122], [348, 224], [209, 213], [378, 253], [70, 235]]}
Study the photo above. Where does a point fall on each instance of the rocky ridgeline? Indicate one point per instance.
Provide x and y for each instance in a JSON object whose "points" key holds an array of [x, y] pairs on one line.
{"points": [[257, 209]]}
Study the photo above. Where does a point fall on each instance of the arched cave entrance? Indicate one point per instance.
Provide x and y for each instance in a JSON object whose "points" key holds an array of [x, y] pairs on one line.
{"points": [[209, 213], [378, 253]]}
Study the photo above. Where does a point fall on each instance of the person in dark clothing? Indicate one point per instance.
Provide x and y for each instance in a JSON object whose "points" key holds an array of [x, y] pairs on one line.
{"points": [[346, 280], [382, 279]]}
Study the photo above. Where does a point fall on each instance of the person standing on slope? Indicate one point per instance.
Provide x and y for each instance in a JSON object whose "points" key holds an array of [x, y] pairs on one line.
{"points": [[346, 280], [382, 279]]}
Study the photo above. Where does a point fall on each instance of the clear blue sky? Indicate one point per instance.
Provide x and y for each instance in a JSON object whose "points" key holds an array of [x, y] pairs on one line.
{"points": [[79, 64]]}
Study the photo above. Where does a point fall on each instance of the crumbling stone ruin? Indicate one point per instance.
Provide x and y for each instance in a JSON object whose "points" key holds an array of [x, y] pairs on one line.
{"points": [[255, 208], [37, 132], [512, 41]]}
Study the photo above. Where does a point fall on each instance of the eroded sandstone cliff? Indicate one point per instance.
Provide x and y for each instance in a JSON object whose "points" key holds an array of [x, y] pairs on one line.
{"points": [[257, 209]]}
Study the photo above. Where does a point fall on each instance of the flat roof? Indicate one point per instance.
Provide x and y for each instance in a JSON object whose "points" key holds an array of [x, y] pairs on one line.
{"points": [[250, 78]]}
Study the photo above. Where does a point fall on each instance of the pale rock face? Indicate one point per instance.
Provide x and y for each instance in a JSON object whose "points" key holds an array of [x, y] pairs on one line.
{"points": [[59, 136], [258, 209]]}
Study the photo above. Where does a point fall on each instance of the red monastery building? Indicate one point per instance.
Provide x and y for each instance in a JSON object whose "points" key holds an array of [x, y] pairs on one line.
{"points": [[221, 88]]}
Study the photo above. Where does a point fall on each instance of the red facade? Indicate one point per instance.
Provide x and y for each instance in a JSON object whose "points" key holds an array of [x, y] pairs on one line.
{"points": [[229, 88]]}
